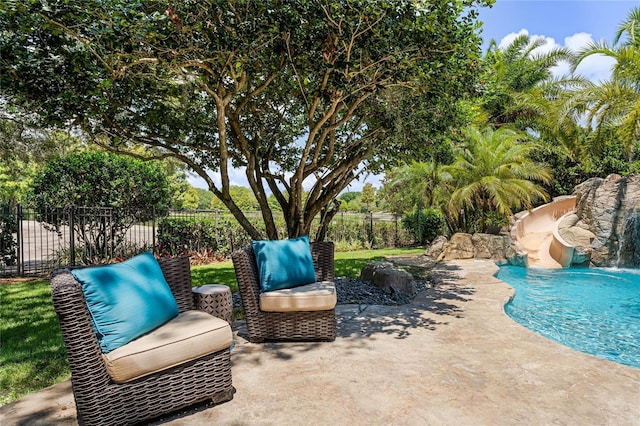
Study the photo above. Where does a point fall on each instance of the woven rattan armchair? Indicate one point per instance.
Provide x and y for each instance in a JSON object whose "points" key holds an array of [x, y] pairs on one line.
{"points": [[98, 399], [303, 325]]}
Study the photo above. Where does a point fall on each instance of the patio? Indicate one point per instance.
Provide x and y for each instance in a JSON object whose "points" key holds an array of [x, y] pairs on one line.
{"points": [[450, 357]]}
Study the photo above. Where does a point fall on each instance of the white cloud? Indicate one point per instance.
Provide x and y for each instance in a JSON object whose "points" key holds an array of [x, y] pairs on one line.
{"points": [[595, 68]]}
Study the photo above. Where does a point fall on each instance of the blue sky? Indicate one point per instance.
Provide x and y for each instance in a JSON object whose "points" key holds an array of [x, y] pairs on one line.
{"points": [[563, 23], [557, 19]]}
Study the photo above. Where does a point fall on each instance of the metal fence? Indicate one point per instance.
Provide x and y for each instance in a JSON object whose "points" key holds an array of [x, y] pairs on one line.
{"points": [[35, 242]]}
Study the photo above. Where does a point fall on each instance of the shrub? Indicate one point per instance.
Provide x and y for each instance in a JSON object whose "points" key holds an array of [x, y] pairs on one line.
{"points": [[8, 245], [425, 224], [201, 237], [118, 191]]}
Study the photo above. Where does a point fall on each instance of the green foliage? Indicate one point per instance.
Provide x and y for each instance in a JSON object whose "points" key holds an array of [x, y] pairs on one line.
{"points": [[115, 192], [242, 196], [568, 171], [349, 196], [425, 224], [494, 172], [24, 150], [183, 195], [612, 105], [368, 196], [8, 227], [101, 179], [414, 185], [204, 198], [298, 93], [209, 238], [517, 85]]}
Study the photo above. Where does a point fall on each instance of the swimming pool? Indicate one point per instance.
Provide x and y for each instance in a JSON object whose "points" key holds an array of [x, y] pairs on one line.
{"points": [[596, 311]]}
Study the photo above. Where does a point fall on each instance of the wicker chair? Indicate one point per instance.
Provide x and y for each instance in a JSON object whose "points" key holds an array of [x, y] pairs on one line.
{"points": [[98, 399], [303, 325]]}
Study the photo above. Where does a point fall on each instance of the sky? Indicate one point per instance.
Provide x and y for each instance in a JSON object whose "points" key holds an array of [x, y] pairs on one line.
{"points": [[563, 23]]}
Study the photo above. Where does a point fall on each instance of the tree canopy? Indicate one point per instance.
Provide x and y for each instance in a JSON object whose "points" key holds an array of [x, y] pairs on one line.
{"points": [[296, 93]]}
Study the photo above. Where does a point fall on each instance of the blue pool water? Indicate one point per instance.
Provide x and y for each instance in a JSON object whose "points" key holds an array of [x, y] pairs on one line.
{"points": [[596, 310]]}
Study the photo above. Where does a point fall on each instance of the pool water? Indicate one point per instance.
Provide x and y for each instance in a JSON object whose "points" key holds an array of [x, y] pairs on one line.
{"points": [[592, 310]]}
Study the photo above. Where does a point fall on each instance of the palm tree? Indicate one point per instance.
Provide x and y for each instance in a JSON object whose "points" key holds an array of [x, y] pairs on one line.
{"points": [[494, 174], [519, 83], [417, 184], [613, 104]]}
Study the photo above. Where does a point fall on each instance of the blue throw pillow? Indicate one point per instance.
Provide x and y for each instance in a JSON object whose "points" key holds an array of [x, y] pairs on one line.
{"points": [[284, 263], [126, 300]]}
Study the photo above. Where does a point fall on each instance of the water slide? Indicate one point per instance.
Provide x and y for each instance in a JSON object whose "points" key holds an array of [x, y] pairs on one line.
{"points": [[536, 232]]}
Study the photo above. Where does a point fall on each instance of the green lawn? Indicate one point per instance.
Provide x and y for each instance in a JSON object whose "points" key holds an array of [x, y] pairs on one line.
{"points": [[32, 354]]}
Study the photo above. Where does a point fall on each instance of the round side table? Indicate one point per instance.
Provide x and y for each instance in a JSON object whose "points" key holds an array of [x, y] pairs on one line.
{"points": [[214, 299]]}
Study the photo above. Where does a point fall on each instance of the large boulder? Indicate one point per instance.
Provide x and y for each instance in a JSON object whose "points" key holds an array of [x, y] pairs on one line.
{"points": [[476, 246], [460, 246], [490, 246], [516, 255], [436, 248], [390, 279], [610, 210]]}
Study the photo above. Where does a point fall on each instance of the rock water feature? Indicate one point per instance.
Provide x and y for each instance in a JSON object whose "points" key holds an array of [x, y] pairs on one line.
{"points": [[629, 247], [606, 226]]}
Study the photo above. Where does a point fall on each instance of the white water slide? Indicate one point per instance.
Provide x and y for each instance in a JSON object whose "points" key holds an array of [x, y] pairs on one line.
{"points": [[536, 232]]}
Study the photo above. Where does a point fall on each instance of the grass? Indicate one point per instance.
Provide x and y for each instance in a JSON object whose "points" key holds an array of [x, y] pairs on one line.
{"points": [[32, 354]]}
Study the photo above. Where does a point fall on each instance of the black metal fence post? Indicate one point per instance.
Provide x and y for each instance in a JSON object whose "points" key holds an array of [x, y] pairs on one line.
{"points": [[153, 229], [19, 247], [397, 239], [72, 237]]}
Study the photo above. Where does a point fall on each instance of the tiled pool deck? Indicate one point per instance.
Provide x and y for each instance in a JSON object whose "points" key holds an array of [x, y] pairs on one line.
{"points": [[452, 357]]}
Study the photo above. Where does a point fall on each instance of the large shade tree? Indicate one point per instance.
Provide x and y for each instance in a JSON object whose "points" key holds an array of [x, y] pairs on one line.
{"points": [[293, 92]]}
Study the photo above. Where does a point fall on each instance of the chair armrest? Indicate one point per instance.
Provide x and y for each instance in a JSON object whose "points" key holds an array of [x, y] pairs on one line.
{"points": [[323, 260], [246, 270], [177, 272], [83, 350]]}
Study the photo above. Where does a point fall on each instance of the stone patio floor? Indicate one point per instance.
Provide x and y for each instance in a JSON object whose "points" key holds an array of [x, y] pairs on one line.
{"points": [[451, 357]]}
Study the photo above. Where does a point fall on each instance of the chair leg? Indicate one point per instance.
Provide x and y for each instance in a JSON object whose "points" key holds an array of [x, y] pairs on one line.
{"points": [[222, 397]]}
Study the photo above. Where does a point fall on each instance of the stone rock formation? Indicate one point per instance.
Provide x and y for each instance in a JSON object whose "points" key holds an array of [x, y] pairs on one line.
{"points": [[605, 228], [459, 246], [436, 248], [389, 278], [467, 246]]}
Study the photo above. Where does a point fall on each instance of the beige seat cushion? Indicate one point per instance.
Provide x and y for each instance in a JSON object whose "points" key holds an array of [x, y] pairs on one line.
{"points": [[186, 337], [320, 296]]}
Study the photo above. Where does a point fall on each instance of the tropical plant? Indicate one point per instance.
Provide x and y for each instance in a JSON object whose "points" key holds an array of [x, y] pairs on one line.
{"points": [[518, 84], [414, 185], [293, 92], [493, 173], [612, 104]]}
